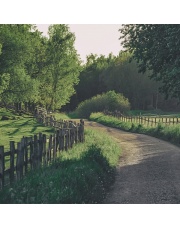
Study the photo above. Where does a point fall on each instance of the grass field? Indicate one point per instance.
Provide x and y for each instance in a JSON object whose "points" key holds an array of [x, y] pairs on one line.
{"points": [[82, 174], [14, 130]]}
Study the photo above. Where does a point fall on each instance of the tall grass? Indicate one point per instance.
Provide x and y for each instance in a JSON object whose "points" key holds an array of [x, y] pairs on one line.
{"points": [[81, 175], [165, 132]]}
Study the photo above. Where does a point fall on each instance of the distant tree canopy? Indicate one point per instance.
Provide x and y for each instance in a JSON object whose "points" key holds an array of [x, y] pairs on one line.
{"points": [[156, 47], [101, 74], [37, 69]]}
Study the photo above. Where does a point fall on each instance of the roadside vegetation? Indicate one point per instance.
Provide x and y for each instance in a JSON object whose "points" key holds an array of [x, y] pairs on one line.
{"points": [[170, 133], [155, 112], [106, 101], [81, 175]]}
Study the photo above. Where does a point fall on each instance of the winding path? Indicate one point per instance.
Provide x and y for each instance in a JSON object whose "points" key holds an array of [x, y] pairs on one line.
{"points": [[148, 170]]}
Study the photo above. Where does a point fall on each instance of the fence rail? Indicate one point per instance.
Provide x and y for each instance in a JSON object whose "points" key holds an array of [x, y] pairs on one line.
{"points": [[38, 150], [146, 120]]}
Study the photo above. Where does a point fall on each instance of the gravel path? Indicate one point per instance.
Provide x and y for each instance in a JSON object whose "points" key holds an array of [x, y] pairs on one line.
{"points": [[148, 171]]}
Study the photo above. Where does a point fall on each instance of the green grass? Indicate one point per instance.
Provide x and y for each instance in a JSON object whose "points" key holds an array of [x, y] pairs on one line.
{"points": [[14, 130], [157, 112], [81, 175], [169, 133], [10, 114], [61, 116], [65, 116]]}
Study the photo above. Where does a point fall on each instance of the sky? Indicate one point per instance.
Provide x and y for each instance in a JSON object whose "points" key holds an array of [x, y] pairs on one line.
{"points": [[93, 38]]}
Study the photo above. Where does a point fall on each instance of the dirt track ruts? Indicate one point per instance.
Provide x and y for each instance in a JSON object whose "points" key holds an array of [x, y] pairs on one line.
{"points": [[148, 170]]}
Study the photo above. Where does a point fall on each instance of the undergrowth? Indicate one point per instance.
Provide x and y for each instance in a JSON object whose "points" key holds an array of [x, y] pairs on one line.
{"points": [[81, 175]]}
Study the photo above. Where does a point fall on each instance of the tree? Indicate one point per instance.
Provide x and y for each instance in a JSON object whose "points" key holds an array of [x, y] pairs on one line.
{"points": [[123, 77], [156, 48], [89, 84], [62, 67], [16, 49]]}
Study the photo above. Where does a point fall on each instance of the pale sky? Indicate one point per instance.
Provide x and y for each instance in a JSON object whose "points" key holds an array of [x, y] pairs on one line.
{"points": [[93, 38]]}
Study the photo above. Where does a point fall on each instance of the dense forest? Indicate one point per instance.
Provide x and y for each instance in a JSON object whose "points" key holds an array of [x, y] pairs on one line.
{"points": [[101, 74], [47, 71]]}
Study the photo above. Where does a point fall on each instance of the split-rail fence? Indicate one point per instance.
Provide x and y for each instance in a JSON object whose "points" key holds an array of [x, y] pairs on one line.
{"points": [[38, 150], [145, 120]]}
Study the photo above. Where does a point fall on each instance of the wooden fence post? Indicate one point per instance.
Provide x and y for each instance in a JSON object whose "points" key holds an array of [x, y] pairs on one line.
{"points": [[2, 167], [19, 164], [44, 150], [40, 149], [49, 149], [12, 149], [26, 154], [31, 152], [54, 147], [81, 130], [35, 152], [66, 139]]}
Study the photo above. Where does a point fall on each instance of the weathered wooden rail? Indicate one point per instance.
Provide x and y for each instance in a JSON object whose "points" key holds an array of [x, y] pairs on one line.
{"points": [[146, 120], [39, 150]]}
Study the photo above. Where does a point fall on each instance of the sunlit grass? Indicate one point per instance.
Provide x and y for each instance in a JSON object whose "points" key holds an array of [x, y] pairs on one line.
{"points": [[170, 133], [14, 130], [81, 175]]}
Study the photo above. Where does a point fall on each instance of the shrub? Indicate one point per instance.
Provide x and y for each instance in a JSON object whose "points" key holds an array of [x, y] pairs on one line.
{"points": [[107, 101]]}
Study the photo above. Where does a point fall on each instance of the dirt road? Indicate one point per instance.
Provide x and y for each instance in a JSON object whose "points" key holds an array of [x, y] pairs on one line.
{"points": [[148, 170]]}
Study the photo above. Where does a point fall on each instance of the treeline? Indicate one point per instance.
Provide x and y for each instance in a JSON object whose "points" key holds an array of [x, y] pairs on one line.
{"points": [[47, 70], [101, 74], [35, 69]]}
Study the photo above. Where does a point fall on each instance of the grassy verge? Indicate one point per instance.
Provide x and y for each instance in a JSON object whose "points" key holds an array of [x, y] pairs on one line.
{"points": [[81, 175], [14, 130], [157, 112], [168, 133]]}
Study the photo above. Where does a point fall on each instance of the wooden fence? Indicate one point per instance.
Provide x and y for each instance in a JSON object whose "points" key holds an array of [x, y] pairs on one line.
{"points": [[146, 120], [39, 150]]}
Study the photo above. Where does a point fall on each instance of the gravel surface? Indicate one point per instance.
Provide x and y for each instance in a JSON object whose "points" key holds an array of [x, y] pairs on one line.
{"points": [[148, 170]]}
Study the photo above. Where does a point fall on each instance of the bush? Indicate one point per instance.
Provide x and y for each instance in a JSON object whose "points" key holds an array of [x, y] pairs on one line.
{"points": [[107, 101]]}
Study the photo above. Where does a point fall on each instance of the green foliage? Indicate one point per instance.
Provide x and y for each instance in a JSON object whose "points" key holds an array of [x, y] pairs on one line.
{"points": [[102, 74], [124, 78], [110, 121], [89, 84], [4, 82], [81, 175], [106, 101], [36, 69], [169, 133], [155, 47], [63, 66], [17, 51]]}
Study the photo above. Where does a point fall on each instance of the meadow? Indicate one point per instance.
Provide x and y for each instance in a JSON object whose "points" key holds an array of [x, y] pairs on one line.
{"points": [[82, 174]]}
